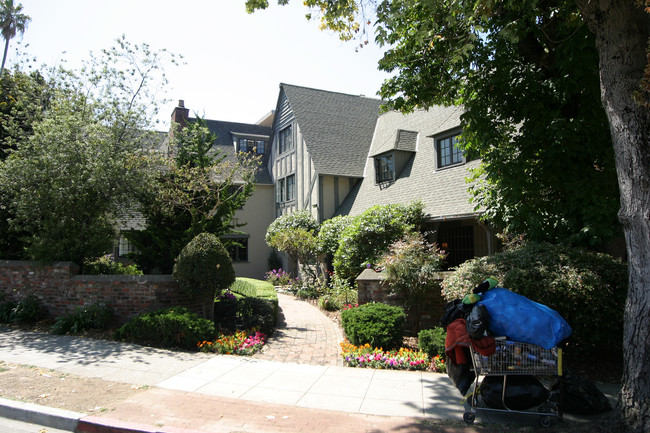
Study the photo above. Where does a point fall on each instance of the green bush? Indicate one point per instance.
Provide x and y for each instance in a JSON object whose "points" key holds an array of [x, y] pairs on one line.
{"points": [[286, 223], [204, 268], [243, 287], [249, 304], [377, 324], [329, 302], [369, 235], [6, 308], [27, 310], [167, 328], [105, 265], [94, 316], [330, 232], [432, 341], [587, 289]]}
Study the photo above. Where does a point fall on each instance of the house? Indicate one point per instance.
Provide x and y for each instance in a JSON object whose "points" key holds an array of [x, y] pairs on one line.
{"points": [[336, 154]]}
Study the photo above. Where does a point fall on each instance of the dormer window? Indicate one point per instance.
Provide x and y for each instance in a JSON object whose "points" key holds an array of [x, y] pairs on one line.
{"points": [[448, 151], [251, 145], [384, 168]]}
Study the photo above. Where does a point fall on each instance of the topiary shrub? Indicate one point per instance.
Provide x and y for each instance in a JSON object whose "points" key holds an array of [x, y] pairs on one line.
{"points": [[432, 341], [94, 316], [369, 235], [376, 324], [167, 328], [588, 289], [203, 269]]}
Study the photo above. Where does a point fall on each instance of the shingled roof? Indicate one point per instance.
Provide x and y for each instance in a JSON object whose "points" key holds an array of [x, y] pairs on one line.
{"points": [[337, 127], [443, 192]]}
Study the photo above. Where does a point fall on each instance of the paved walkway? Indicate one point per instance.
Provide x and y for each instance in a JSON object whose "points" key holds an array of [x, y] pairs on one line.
{"points": [[304, 335], [191, 392]]}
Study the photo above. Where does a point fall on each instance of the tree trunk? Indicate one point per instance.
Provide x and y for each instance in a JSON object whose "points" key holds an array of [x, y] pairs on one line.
{"points": [[622, 29]]}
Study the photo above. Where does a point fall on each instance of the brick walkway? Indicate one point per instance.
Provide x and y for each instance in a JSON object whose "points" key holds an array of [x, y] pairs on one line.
{"points": [[304, 335]]}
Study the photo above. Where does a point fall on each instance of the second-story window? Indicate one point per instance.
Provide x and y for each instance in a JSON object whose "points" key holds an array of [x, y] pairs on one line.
{"points": [[285, 189], [448, 151], [384, 168], [285, 139], [291, 187], [250, 145]]}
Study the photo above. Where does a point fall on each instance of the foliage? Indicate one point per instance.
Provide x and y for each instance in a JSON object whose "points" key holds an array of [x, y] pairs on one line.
{"points": [[410, 267], [105, 265], [94, 316], [297, 220], [377, 324], [587, 289], [438, 364], [278, 277], [83, 160], [369, 235], [26, 310], [198, 191], [243, 287], [204, 268], [432, 341], [248, 304], [12, 22], [367, 356], [330, 232], [167, 328], [244, 343]]}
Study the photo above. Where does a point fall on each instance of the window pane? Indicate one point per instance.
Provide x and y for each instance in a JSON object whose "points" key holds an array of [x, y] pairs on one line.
{"points": [[448, 151], [260, 146], [291, 187], [386, 168]]}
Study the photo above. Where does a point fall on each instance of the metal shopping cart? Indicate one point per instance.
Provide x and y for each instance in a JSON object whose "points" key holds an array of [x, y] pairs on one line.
{"points": [[514, 358]]}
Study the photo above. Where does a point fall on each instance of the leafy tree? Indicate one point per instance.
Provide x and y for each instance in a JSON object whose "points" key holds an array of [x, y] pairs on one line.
{"points": [[83, 161], [442, 38], [12, 22], [199, 190], [371, 233], [296, 234], [411, 267]]}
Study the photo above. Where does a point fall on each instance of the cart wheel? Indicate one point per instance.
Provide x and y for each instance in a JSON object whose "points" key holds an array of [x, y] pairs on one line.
{"points": [[468, 417], [545, 421]]}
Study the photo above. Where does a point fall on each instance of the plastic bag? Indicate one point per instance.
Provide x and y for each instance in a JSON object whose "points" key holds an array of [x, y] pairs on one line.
{"points": [[461, 375], [478, 321], [521, 319], [581, 396], [454, 310], [522, 392]]}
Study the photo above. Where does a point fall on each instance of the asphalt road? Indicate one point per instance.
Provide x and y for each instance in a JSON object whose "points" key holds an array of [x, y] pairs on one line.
{"points": [[13, 426]]}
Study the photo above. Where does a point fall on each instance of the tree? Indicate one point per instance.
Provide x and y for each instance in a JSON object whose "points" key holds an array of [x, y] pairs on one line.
{"points": [[84, 161], [198, 190], [447, 36], [12, 22]]}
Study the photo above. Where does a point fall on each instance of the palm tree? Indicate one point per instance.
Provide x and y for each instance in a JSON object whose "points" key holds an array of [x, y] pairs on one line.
{"points": [[12, 21]]}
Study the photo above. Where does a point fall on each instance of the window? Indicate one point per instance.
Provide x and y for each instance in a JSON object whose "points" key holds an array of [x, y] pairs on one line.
{"points": [[238, 250], [384, 169], [285, 139], [291, 187], [285, 189], [448, 151], [250, 145]]}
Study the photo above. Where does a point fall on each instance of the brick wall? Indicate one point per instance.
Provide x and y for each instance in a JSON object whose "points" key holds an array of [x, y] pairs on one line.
{"points": [[373, 289], [60, 289]]}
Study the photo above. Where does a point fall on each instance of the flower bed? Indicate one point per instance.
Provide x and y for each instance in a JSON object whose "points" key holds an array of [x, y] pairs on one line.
{"points": [[366, 356], [244, 343]]}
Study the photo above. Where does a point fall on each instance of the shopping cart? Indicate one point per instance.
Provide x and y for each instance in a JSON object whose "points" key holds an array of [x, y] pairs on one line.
{"points": [[515, 358]]}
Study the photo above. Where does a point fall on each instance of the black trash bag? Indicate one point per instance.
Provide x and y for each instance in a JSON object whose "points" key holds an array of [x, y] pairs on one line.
{"points": [[477, 322], [522, 392], [461, 375], [454, 310], [581, 396]]}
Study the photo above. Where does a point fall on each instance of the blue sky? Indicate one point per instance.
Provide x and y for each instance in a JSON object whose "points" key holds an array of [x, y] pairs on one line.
{"points": [[234, 61]]}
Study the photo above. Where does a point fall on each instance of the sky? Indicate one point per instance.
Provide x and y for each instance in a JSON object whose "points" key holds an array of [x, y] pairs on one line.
{"points": [[234, 62]]}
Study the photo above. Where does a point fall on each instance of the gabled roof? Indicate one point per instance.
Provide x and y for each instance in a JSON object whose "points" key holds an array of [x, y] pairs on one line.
{"points": [[337, 127], [443, 192]]}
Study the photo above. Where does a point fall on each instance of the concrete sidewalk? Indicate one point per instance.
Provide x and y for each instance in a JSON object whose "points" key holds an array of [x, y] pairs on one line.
{"points": [[217, 393]]}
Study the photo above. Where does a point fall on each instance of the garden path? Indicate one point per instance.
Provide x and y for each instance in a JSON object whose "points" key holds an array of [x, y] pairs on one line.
{"points": [[304, 335]]}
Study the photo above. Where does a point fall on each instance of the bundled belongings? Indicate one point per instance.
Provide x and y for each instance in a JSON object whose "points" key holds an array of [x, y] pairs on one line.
{"points": [[580, 396], [457, 345], [522, 392], [523, 320]]}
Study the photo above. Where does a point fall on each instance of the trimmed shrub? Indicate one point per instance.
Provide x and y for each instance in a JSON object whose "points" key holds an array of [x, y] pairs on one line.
{"points": [[289, 222], [243, 287], [432, 341], [204, 268], [588, 289], [369, 235], [376, 324], [172, 327], [95, 316], [330, 232]]}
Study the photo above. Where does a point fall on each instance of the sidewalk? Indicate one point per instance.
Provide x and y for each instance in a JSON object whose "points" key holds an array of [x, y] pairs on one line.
{"points": [[295, 384]]}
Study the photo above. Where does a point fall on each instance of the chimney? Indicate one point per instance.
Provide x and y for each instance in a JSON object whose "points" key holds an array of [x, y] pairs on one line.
{"points": [[180, 114]]}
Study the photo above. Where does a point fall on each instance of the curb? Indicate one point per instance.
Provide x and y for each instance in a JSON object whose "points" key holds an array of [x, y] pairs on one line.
{"points": [[96, 424], [41, 415]]}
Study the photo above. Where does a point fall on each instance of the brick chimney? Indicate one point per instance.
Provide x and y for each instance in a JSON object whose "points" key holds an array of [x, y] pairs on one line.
{"points": [[180, 114]]}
